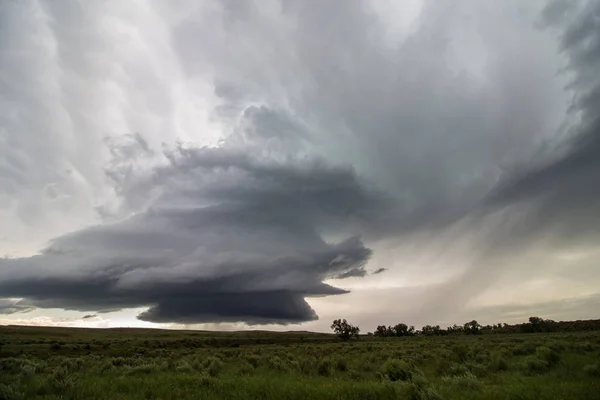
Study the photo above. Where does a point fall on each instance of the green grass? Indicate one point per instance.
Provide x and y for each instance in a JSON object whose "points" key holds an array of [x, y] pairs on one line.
{"points": [[66, 363]]}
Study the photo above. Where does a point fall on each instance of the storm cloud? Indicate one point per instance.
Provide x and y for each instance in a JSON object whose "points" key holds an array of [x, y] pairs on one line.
{"points": [[227, 238], [224, 161]]}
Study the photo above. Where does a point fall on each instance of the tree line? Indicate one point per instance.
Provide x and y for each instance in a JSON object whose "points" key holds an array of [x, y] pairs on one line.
{"points": [[344, 330]]}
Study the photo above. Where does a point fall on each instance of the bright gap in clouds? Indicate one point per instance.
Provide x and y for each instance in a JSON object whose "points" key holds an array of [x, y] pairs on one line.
{"points": [[226, 165]]}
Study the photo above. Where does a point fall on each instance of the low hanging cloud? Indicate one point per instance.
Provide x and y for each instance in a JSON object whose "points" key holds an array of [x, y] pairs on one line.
{"points": [[338, 134], [11, 306], [227, 238]]}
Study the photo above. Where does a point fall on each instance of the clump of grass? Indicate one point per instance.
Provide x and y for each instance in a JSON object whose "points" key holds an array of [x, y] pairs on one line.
{"points": [[355, 375], [214, 366], [428, 393], [498, 363], [245, 368], [184, 368], [72, 364], [253, 360], [13, 365], [467, 381], [482, 357], [586, 347], [61, 380], [548, 355], [458, 369], [341, 364], [277, 364], [10, 393], [461, 352], [524, 349], [534, 365], [206, 380], [325, 367], [417, 388], [397, 370], [148, 368], [592, 370]]}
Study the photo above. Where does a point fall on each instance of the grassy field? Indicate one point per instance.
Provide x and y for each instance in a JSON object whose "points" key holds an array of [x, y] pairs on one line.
{"points": [[68, 363]]}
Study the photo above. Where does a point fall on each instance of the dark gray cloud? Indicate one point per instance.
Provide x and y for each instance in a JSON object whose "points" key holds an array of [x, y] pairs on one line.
{"points": [[11, 306], [228, 238]]}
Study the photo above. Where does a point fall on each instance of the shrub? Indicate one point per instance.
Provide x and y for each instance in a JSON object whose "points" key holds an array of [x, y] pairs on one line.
{"points": [[355, 375], [214, 366], [534, 365], [277, 364], [55, 346], [467, 381], [325, 367], [461, 352], [184, 367], [13, 365], [206, 380], [428, 393], [458, 369], [9, 393], [147, 368], [60, 380], [548, 355], [592, 370], [253, 360], [72, 364], [397, 370], [27, 371], [586, 347], [498, 363], [245, 368], [105, 366], [341, 364], [295, 366], [524, 349]]}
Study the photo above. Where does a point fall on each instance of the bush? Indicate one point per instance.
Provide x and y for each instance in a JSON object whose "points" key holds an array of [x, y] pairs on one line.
{"points": [[592, 370], [148, 368], [524, 349], [466, 381], [534, 365], [72, 364], [9, 393], [548, 355], [456, 369], [253, 360], [55, 346], [461, 352], [13, 365], [498, 363], [341, 364], [355, 375], [60, 380], [325, 367], [397, 370], [206, 380], [277, 364], [245, 368], [214, 366], [184, 368], [428, 393]]}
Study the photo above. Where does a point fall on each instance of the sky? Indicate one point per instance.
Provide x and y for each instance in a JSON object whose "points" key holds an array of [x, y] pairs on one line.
{"points": [[279, 164]]}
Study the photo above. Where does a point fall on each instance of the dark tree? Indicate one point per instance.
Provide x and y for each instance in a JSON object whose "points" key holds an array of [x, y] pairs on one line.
{"points": [[472, 328], [344, 330]]}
